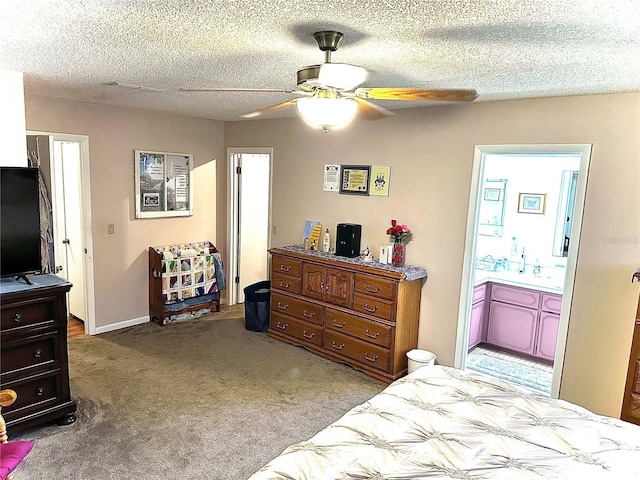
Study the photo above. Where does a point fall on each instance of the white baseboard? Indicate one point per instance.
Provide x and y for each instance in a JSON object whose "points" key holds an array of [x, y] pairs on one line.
{"points": [[119, 325]]}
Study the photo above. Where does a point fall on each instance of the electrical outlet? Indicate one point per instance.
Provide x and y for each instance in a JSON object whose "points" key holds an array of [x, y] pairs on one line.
{"points": [[274, 229], [111, 228]]}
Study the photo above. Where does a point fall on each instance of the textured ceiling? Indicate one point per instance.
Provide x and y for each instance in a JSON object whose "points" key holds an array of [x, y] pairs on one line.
{"points": [[505, 49]]}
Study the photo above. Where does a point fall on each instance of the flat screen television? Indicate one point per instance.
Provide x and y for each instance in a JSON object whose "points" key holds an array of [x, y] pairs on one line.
{"points": [[19, 222]]}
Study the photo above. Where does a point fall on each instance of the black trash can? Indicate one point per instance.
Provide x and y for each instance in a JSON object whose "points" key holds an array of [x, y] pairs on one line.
{"points": [[256, 306]]}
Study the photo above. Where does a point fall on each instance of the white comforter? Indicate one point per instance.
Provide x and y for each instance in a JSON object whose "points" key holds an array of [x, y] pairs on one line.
{"points": [[439, 422]]}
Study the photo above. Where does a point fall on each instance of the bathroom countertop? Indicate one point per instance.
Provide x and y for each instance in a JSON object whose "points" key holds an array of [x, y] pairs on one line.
{"points": [[548, 283]]}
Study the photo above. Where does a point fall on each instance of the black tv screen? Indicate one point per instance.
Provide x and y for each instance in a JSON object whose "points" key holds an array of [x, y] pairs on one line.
{"points": [[19, 221]]}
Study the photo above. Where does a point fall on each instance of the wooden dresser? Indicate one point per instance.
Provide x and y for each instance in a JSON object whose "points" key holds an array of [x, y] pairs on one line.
{"points": [[33, 347], [631, 399], [364, 314]]}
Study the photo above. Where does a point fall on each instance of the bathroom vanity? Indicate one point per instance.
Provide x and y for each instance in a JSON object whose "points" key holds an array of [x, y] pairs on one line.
{"points": [[516, 313]]}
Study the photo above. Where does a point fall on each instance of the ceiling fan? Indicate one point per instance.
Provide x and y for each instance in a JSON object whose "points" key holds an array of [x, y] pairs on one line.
{"points": [[329, 94]]}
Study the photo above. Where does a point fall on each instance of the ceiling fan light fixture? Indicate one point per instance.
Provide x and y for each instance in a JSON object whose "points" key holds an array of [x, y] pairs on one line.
{"points": [[342, 76], [327, 111]]}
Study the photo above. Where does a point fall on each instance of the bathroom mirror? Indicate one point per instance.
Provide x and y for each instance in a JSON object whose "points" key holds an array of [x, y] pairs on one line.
{"points": [[564, 218], [492, 202]]}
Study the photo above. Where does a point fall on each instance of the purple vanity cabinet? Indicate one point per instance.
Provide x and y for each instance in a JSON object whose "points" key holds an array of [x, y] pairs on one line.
{"points": [[523, 320], [548, 326], [477, 327]]}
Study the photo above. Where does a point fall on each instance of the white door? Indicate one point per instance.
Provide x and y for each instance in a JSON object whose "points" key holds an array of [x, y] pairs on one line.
{"points": [[251, 179], [68, 229]]}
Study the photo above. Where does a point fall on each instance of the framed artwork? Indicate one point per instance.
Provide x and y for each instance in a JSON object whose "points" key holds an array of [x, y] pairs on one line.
{"points": [[354, 179], [532, 203], [163, 184], [379, 183], [492, 194]]}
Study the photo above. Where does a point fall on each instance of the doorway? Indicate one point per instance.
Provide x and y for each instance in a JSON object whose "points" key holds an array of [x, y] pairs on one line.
{"points": [[249, 218], [65, 165], [512, 220]]}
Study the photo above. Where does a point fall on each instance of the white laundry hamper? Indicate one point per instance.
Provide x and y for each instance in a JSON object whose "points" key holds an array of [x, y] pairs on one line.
{"points": [[420, 358]]}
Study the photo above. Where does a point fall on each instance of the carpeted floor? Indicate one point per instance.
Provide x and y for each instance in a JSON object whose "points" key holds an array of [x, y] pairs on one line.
{"points": [[536, 379], [200, 399]]}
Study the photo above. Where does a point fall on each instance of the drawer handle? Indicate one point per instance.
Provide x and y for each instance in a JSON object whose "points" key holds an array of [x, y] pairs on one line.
{"points": [[374, 309], [40, 391], [283, 307], [339, 325], [37, 353], [284, 285], [337, 347], [305, 334], [309, 315], [281, 326], [374, 359], [377, 289], [284, 268], [366, 332], [17, 317]]}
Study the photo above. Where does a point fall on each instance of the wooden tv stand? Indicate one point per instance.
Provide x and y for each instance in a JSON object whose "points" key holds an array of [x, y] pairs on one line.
{"points": [[364, 314]]}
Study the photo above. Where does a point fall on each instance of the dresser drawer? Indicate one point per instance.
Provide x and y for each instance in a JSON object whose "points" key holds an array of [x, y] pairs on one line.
{"points": [[302, 309], [303, 331], [285, 282], [376, 286], [362, 352], [373, 306], [515, 296], [552, 303], [31, 355], [33, 395], [29, 313], [287, 266], [360, 328]]}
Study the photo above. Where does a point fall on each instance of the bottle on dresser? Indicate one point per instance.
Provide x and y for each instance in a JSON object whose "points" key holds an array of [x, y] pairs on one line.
{"points": [[326, 241]]}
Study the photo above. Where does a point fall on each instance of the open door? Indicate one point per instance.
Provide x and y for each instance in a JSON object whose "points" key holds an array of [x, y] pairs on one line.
{"points": [[250, 191]]}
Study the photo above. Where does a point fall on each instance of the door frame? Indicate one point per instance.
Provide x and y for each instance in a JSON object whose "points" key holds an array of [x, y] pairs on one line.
{"points": [[468, 268], [233, 212], [83, 140]]}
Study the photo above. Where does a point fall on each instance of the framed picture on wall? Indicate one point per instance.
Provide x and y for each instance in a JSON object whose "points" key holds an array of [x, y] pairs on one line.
{"points": [[379, 183], [354, 179], [163, 184], [532, 203]]}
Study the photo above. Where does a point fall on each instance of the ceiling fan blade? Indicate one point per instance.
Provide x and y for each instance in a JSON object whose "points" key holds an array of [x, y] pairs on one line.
{"points": [[272, 108], [276, 90], [447, 95], [369, 111]]}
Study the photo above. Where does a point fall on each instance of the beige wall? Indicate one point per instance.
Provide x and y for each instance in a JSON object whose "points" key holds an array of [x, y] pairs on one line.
{"points": [[12, 124], [121, 260], [430, 152]]}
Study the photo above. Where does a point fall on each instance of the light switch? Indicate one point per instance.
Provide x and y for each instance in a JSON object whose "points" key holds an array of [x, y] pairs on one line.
{"points": [[111, 228]]}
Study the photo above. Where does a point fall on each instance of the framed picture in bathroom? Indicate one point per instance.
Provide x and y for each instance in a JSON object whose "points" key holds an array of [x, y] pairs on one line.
{"points": [[532, 203]]}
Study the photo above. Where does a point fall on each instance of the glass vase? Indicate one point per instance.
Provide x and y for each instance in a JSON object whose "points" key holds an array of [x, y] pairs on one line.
{"points": [[397, 255]]}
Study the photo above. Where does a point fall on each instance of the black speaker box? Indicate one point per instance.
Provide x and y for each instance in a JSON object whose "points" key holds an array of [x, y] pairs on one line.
{"points": [[348, 239]]}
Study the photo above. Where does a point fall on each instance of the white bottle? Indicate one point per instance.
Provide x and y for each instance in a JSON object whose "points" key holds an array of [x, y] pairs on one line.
{"points": [[326, 241]]}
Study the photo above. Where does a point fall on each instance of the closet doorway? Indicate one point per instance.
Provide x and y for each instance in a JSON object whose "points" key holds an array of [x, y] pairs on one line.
{"points": [[249, 217], [64, 161], [532, 159]]}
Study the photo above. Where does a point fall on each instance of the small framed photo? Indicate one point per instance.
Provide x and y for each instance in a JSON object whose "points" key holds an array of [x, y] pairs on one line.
{"points": [[379, 182], [354, 179], [492, 194], [532, 203]]}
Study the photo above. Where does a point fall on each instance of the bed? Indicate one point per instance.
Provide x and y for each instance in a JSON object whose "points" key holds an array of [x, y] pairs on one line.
{"points": [[440, 422]]}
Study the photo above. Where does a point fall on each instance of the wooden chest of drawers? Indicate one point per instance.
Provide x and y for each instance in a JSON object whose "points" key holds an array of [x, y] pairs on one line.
{"points": [[362, 314], [33, 352]]}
